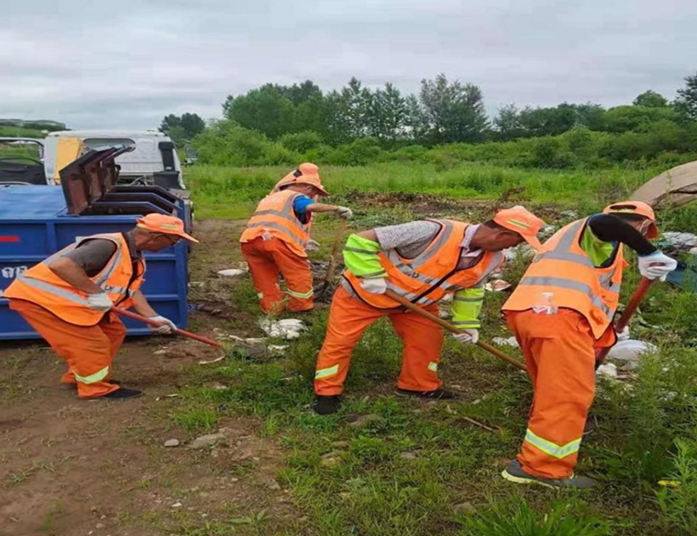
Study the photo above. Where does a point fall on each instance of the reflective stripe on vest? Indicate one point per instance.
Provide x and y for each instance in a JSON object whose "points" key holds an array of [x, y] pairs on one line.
{"points": [[551, 448]]}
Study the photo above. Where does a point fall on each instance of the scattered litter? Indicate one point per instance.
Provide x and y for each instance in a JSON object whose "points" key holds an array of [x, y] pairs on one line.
{"points": [[628, 352], [693, 251], [503, 341], [608, 370], [278, 348], [160, 352], [498, 285], [669, 483], [231, 272], [288, 328], [524, 250], [680, 240], [172, 395], [547, 231], [250, 340], [172, 443], [216, 360], [569, 214], [197, 284], [407, 456], [273, 485], [218, 387], [206, 441], [177, 505]]}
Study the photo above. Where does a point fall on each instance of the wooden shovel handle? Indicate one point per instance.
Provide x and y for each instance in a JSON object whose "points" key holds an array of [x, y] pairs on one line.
{"points": [[451, 328], [149, 321]]}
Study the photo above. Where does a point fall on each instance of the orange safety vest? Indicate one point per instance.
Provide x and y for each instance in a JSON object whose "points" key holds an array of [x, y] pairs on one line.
{"points": [[41, 286], [430, 276], [275, 216], [564, 269]]}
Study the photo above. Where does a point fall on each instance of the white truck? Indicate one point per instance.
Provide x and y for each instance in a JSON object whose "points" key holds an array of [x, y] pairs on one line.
{"points": [[153, 161]]}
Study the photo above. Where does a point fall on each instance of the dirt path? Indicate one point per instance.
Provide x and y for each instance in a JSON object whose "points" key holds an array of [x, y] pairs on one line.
{"points": [[71, 467]]}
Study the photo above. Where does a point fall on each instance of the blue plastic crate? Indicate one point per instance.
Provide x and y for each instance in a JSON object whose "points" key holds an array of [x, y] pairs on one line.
{"points": [[34, 224]]}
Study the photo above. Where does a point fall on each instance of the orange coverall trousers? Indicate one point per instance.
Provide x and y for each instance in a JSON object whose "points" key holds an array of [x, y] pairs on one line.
{"points": [[88, 350], [559, 352], [268, 258], [349, 318]]}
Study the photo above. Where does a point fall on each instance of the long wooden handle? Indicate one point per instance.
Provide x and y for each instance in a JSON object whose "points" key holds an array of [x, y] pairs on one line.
{"points": [[451, 328], [637, 297], [183, 333], [340, 230]]}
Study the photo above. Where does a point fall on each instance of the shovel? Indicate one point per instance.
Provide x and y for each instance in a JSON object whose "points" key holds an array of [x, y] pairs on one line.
{"points": [[183, 333], [627, 314], [451, 328], [340, 230]]}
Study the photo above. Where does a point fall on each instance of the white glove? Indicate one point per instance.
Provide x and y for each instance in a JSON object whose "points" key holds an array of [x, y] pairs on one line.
{"points": [[468, 336], [623, 335], [312, 245], [656, 266], [99, 301], [344, 212], [166, 328], [375, 286]]}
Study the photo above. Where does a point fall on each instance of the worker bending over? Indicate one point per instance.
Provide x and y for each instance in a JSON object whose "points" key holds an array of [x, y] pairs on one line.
{"points": [[276, 238], [422, 261], [561, 314], [67, 299]]}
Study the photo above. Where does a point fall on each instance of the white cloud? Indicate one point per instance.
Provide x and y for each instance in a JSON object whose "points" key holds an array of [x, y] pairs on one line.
{"points": [[127, 64]]}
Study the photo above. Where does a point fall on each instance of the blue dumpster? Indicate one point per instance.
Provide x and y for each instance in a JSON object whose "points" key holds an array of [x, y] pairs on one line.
{"points": [[35, 222]]}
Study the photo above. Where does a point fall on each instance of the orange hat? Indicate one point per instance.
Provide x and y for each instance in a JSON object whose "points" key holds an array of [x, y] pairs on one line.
{"points": [[635, 207], [307, 173], [523, 222], [160, 223]]}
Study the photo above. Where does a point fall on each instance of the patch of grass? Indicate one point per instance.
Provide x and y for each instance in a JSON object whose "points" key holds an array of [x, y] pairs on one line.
{"points": [[517, 518], [198, 419]]}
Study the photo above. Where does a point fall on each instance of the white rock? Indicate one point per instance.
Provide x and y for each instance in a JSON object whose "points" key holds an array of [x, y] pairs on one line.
{"points": [[206, 441], [177, 505], [608, 370], [693, 251], [172, 443], [231, 272], [289, 328]]}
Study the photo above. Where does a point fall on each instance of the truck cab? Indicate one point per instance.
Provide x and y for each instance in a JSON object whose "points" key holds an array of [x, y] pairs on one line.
{"points": [[153, 160]]}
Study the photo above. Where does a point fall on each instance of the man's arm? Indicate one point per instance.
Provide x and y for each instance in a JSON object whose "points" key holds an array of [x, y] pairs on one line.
{"points": [[73, 274], [609, 228], [141, 305]]}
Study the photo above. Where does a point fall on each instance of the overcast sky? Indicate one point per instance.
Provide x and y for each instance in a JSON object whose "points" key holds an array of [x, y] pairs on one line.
{"points": [[127, 63]]}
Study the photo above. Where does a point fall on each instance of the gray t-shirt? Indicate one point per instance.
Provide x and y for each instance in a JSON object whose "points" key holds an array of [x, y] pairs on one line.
{"points": [[93, 255]]}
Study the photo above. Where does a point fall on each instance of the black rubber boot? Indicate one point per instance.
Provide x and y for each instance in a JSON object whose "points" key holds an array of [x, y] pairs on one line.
{"points": [[514, 473], [326, 405], [122, 394], [438, 394]]}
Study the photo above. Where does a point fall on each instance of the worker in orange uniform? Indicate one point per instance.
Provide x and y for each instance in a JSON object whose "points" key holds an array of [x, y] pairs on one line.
{"points": [[276, 238], [422, 261], [561, 314], [67, 299]]}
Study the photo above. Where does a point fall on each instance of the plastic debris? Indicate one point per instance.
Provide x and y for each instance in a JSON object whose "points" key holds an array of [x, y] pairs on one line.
{"points": [[497, 286], [172, 443], [208, 440], [503, 341], [231, 272], [680, 240], [288, 328], [627, 353], [217, 360], [607, 370]]}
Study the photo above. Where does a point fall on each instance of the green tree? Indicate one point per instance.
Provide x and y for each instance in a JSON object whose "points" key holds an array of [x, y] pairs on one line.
{"points": [[266, 109], [508, 125], [636, 118], [453, 112], [347, 113], [387, 114], [686, 101], [651, 99], [182, 128]]}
